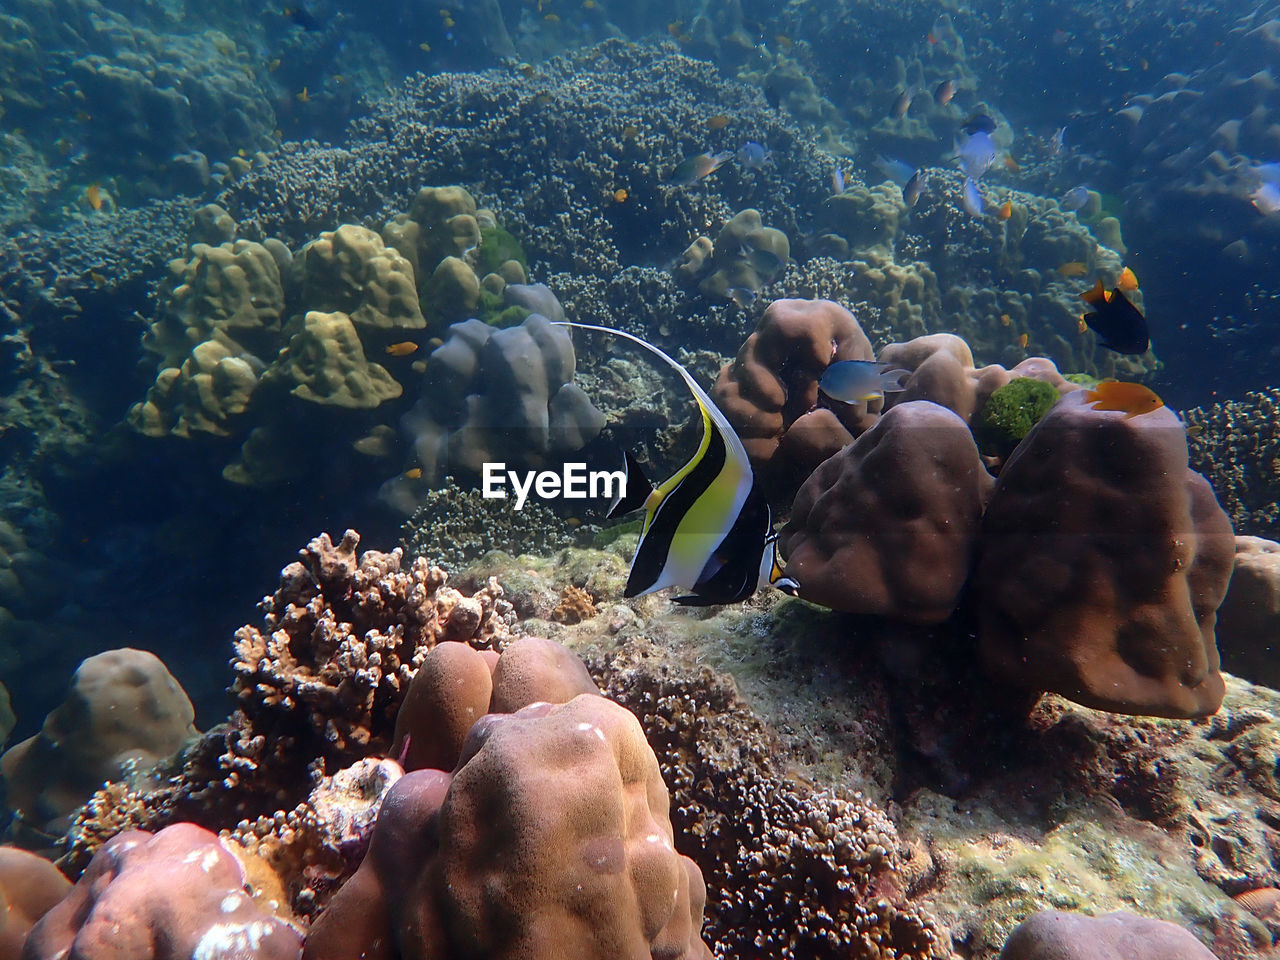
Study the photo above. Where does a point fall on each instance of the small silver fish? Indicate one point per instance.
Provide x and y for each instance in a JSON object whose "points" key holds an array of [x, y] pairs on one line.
{"points": [[896, 170], [903, 102], [838, 182], [692, 169], [752, 155], [976, 153], [743, 296], [1058, 141], [858, 381], [971, 198], [916, 186], [764, 262]]}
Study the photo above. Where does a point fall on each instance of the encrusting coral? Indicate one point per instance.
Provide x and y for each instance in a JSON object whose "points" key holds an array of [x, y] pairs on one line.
{"points": [[1054, 935]]}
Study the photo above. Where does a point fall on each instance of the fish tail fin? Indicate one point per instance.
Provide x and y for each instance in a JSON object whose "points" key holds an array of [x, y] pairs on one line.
{"points": [[693, 600], [636, 491], [894, 381]]}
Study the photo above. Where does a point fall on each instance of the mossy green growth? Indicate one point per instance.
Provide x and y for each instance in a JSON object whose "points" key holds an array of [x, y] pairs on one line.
{"points": [[1011, 412], [496, 313], [607, 535], [497, 246]]}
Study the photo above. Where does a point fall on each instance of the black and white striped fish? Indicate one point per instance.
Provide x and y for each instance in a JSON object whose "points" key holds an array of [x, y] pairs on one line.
{"points": [[708, 527]]}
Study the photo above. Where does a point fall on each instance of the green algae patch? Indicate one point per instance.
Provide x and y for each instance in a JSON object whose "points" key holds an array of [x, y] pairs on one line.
{"points": [[1011, 412], [1083, 379], [497, 246], [495, 311]]}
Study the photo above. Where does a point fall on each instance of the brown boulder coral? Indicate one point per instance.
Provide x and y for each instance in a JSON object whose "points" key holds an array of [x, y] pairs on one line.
{"points": [[944, 372], [324, 673], [889, 525], [123, 712], [1249, 618], [550, 839], [1054, 935], [174, 895], [1103, 562], [29, 888], [773, 383]]}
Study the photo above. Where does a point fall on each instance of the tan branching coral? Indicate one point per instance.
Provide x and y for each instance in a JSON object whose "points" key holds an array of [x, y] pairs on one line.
{"points": [[575, 606], [323, 675]]}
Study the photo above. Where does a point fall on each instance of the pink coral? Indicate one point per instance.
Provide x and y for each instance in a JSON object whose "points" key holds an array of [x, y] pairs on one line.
{"points": [[29, 887], [174, 895]]}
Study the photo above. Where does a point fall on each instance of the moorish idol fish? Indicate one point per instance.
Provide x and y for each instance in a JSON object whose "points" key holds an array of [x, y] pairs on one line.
{"points": [[708, 527]]}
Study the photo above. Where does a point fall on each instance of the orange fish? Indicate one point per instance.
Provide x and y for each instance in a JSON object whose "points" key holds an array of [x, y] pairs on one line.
{"points": [[1011, 164], [1006, 319], [1023, 339], [1132, 399], [718, 122], [304, 96], [1128, 281], [1096, 295], [1005, 211], [94, 196], [1074, 268], [414, 473], [402, 349], [784, 42], [1081, 326], [620, 195]]}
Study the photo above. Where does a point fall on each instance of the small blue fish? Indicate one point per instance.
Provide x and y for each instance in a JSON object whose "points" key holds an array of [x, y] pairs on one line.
{"points": [[1268, 173], [752, 155], [858, 381], [896, 170], [838, 182], [1075, 198], [971, 198], [976, 153]]}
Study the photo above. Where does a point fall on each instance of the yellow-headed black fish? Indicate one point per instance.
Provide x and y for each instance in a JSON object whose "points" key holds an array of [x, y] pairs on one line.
{"points": [[708, 527]]}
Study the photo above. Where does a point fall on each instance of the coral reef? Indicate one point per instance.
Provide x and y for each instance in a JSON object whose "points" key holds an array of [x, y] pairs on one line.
{"points": [[771, 389], [551, 834], [745, 256], [1102, 564], [29, 887], [1236, 445], [323, 675], [1054, 935], [496, 396], [453, 528], [122, 713], [1248, 627], [888, 525], [175, 894]]}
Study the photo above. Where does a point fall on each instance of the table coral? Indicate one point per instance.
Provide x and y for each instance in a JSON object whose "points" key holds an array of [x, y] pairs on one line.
{"points": [[173, 895], [29, 887], [1103, 560], [889, 524], [550, 837], [122, 713]]}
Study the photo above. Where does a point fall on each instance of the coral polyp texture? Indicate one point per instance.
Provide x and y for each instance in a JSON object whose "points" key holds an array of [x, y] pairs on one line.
{"points": [[888, 526], [323, 675], [174, 895], [1237, 447], [1103, 562], [550, 837]]}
